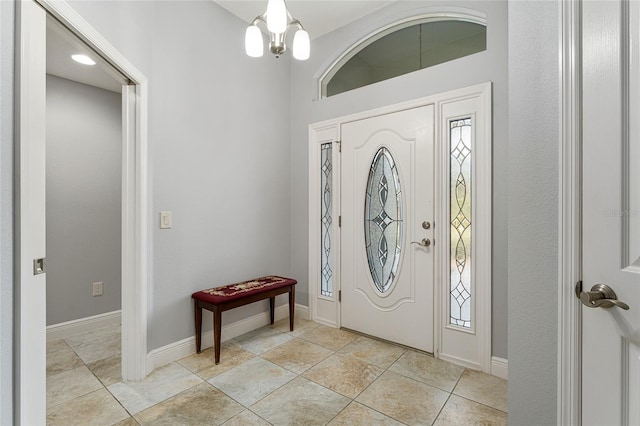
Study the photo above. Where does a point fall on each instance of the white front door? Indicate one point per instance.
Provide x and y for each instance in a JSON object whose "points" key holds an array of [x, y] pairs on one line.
{"points": [[387, 227], [611, 213]]}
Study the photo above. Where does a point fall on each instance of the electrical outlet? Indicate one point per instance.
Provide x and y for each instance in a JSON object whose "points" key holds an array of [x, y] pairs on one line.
{"points": [[97, 289]]}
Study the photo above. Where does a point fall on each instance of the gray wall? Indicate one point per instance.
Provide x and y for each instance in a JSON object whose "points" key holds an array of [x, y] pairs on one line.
{"points": [[219, 146], [6, 211], [533, 211], [490, 65], [84, 186]]}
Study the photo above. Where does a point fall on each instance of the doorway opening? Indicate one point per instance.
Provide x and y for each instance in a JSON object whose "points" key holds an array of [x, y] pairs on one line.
{"points": [[30, 256], [84, 128]]}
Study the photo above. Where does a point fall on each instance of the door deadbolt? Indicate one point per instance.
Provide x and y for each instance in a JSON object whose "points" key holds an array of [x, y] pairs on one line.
{"points": [[426, 225]]}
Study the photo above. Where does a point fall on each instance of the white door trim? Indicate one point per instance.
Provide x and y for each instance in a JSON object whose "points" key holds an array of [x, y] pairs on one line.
{"points": [[569, 242], [30, 349], [135, 191], [326, 310]]}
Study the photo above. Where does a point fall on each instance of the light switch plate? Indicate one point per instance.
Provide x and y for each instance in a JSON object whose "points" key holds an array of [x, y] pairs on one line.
{"points": [[166, 220]]}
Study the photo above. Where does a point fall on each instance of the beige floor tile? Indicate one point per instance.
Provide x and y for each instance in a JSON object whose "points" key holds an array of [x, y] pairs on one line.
{"points": [[300, 402], [330, 338], [199, 405], [203, 364], [483, 388], [127, 422], [161, 384], [427, 369], [95, 408], [261, 340], [404, 399], [460, 411], [299, 326], [98, 349], [373, 351], [101, 333], [56, 345], [65, 386], [297, 355], [251, 381], [343, 374], [358, 414], [246, 418], [61, 360], [108, 370]]}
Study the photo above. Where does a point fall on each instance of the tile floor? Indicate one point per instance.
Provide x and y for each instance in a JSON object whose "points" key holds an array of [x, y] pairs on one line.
{"points": [[315, 375]]}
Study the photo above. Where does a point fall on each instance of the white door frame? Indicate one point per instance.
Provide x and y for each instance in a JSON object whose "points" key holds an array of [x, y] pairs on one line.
{"points": [[569, 237], [30, 397], [326, 310]]}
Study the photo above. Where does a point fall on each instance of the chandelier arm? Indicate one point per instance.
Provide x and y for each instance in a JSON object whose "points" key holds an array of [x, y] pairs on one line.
{"points": [[261, 18]]}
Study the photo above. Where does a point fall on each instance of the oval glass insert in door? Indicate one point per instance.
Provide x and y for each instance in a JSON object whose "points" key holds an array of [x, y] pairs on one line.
{"points": [[383, 220]]}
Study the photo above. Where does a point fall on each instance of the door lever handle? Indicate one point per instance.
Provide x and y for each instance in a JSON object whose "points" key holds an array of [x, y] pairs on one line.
{"points": [[601, 296], [424, 243]]}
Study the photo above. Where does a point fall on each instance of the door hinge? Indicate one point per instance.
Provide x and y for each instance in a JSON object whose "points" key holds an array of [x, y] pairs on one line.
{"points": [[339, 146], [339, 295], [339, 221]]}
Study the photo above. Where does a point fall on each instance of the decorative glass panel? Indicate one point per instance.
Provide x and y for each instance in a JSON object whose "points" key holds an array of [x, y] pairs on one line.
{"points": [[403, 49], [326, 269], [460, 178], [383, 220]]}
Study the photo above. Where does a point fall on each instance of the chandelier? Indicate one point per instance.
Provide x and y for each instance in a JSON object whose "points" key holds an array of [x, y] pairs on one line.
{"points": [[278, 21]]}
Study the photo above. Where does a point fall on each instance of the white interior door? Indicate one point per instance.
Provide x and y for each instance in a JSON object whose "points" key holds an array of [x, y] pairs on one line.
{"points": [[611, 213], [387, 205]]}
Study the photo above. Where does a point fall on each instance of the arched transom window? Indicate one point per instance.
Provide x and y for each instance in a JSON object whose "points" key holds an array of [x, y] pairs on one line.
{"points": [[403, 48]]}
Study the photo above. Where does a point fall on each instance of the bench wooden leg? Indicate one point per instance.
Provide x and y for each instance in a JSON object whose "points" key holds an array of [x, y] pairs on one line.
{"points": [[292, 305], [217, 328], [198, 320], [272, 308]]}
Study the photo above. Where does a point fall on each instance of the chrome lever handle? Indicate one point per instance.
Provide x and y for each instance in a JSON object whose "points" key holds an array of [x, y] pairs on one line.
{"points": [[601, 296], [424, 243]]}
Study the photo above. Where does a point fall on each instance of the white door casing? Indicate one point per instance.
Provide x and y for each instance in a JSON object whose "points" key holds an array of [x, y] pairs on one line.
{"points": [[404, 312], [30, 316], [611, 211], [471, 348]]}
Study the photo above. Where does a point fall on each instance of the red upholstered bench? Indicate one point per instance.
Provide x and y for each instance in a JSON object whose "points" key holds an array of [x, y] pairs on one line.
{"points": [[231, 296]]}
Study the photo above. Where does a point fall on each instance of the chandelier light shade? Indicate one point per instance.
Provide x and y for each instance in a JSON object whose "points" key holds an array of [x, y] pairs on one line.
{"points": [[276, 16], [278, 21], [253, 42], [301, 45]]}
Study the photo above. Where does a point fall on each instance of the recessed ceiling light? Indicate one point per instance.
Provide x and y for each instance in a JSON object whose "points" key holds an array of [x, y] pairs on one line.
{"points": [[83, 59]]}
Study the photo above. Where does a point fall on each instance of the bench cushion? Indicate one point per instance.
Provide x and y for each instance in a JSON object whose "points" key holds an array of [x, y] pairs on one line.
{"points": [[230, 292]]}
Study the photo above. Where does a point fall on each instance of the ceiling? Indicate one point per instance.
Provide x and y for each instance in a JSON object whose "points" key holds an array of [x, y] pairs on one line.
{"points": [[318, 17], [61, 44]]}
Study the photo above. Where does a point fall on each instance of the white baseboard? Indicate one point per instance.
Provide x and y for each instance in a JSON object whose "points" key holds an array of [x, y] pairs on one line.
{"points": [[460, 361], [500, 367], [331, 324], [177, 350], [69, 328]]}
